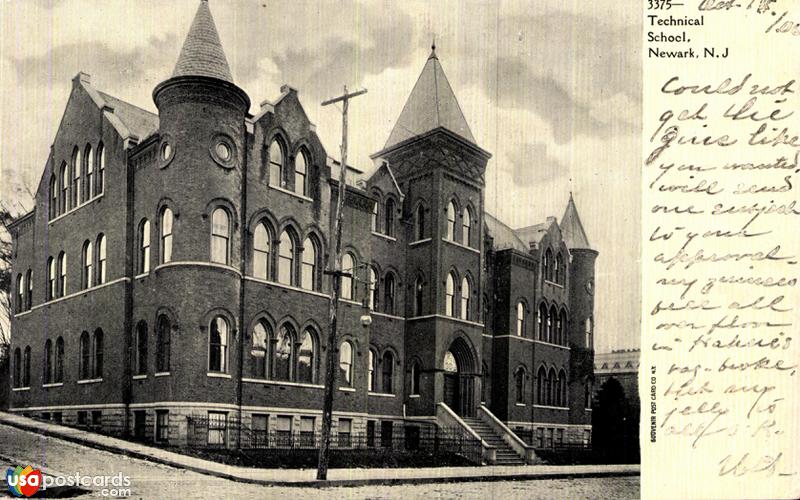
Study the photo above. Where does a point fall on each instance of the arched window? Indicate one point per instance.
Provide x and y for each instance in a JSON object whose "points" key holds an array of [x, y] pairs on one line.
{"points": [[346, 363], [450, 295], [388, 293], [372, 371], [166, 235], [88, 265], [308, 269], [59, 372], [387, 377], [20, 301], [520, 319], [374, 217], [259, 352], [541, 322], [541, 386], [560, 270], [51, 278], [389, 216], [163, 342], [519, 385], [220, 235], [276, 164], [562, 388], [415, 377], [26, 367], [53, 208], [218, 345], [17, 376], [101, 259], [306, 355], [144, 246], [466, 298], [87, 192], [547, 265], [48, 362], [284, 353], [286, 259], [261, 251], [589, 332], [419, 288], [97, 348], [419, 223], [141, 348], [64, 200], [466, 227], [485, 314], [301, 173], [348, 266], [562, 335], [551, 387], [450, 230], [75, 174], [552, 318], [100, 182], [85, 368], [62, 274], [372, 285], [29, 294]]}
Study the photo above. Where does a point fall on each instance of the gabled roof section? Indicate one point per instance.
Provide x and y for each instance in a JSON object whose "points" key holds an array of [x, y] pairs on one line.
{"points": [[202, 53], [572, 228], [504, 237], [535, 233], [432, 104]]}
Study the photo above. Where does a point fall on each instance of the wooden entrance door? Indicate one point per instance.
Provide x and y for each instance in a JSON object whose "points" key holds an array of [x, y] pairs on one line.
{"points": [[451, 392]]}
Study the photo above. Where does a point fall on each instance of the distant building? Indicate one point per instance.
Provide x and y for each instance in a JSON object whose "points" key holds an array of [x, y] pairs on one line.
{"points": [[622, 365], [173, 267]]}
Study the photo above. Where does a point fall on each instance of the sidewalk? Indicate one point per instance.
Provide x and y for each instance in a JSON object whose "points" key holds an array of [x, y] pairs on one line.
{"points": [[307, 477]]}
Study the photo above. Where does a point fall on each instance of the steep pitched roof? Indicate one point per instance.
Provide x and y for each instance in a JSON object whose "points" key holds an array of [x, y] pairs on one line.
{"points": [[202, 53], [572, 228], [504, 237], [535, 233], [140, 122], [432, 104]]}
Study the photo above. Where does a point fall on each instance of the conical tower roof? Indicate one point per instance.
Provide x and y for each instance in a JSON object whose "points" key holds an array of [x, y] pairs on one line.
{"points": [[572, 229], [432, 104], [202, 53]]}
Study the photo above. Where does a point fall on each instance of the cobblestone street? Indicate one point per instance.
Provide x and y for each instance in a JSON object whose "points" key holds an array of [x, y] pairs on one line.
{"points": [[150, 480]]}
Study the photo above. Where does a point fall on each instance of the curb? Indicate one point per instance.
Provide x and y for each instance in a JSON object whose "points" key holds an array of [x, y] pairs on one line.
{"points": [[314, 483]]}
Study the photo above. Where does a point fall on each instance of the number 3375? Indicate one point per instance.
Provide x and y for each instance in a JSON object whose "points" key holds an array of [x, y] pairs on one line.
{"points": [[659, 4]]}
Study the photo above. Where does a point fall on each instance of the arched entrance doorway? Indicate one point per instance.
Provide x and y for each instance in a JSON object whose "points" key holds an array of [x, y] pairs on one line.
{"points": [[459, 378]]}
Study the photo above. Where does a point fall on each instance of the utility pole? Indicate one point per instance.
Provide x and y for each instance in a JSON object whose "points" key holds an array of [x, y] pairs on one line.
{"points": [[336, 272]]}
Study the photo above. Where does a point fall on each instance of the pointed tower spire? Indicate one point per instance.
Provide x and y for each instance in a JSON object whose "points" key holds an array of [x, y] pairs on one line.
{"points": [[572, 228], [432, 104], [202, 53]]}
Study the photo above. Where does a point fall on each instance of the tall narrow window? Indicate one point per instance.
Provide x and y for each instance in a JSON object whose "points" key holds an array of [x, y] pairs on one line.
{"points": [[97, 351], [305, 358], [372, 368], [450, 295], [541, 386], [58, 376], [420, 222], [19, 303], [88, 265], [62, 274], [29, 295], [166, 235], [308, 269], [562, 387], [286, 259], [259, 352], [415, 377], [547, 265], [100, 182], [466, 227], [284, 353], [419, 288], [63, 202], [562, 335], [541, 322], [26, 367], [75, 170], [389, 216], [86, 189], [300, 173], [559, 269], [346, 363], [261, 246], [466, 295], [144, 246], [388, 293], [51, 278], [587, 394], [551, 387], [53, 208], [589, 331], [348, 266], [48, 362], [275, 164], [218, 345], [486, 383], [551, 325], [520, 319], [372, 285], [101, 259], [17, 374], [387, 375], [519, 382], [85, 369], [374, 219], [220, 235], [450, 231], [163, 341], [141, 348]]}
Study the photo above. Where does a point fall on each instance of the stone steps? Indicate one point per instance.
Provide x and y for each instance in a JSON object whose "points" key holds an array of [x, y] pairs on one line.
{"points": [[505, 455]]}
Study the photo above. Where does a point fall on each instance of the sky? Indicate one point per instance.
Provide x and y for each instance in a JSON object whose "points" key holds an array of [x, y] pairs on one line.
{"points": [[551, 88]]}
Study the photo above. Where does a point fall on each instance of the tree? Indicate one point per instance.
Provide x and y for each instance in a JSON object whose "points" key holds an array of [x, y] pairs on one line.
{"points": [[615, 426]]}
